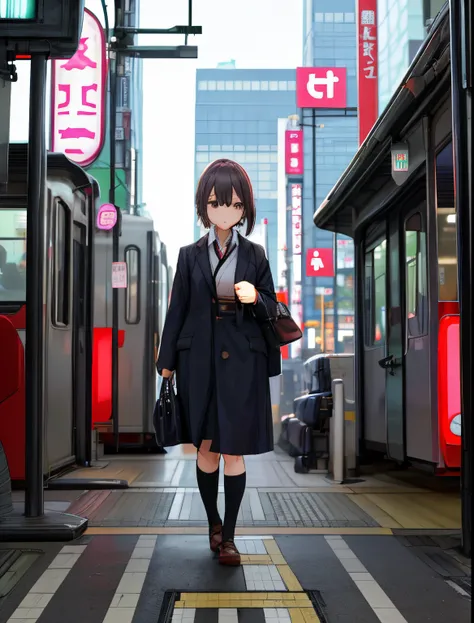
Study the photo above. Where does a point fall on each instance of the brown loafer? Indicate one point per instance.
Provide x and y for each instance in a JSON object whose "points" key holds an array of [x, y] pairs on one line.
{"points": [[215, 537], [229, 554]]}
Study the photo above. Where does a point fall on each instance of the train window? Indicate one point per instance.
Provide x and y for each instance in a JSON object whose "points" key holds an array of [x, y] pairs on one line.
{"points": [[375, 294], [12, 255], [416, 276], [446, 220], [132, 293], [60, 267]]}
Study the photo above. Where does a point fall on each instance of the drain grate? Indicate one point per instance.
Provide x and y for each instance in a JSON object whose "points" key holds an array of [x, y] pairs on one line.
{"points": [[173, 609], [14, 563]]}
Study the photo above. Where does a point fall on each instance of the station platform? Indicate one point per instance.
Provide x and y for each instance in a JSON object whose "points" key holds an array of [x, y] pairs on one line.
{"points": [[380, 549]]}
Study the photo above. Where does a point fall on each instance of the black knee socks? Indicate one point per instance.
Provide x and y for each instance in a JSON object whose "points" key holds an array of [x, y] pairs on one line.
{"points": [[234, 488], [208, 487]]}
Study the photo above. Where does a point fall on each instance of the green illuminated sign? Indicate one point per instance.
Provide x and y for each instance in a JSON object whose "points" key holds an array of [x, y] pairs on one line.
{"points": [[17, 9]]}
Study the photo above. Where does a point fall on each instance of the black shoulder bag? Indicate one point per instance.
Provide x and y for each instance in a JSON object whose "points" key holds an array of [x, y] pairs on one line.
{"points": [[279, 329], [167, 420]]}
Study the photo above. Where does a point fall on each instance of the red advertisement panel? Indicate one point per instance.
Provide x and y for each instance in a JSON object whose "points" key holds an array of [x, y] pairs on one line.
{"points": [[321, 87], [367, 71], [320, 262], [294, 152]]}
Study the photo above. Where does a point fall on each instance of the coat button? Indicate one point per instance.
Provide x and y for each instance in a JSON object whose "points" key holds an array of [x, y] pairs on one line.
{"points": [[225, 354]]}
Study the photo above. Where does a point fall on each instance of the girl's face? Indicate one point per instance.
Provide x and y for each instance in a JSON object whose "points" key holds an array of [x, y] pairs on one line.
{"points": [[223, 216]]}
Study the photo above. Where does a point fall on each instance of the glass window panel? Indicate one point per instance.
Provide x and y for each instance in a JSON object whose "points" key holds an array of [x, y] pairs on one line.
{"points": [[349, 17], [283, 85], [246, 85], [264, 85], [202, 157], [13, 255], [211, 85], [202, 85], [273, 85], [329, 17], [238, 85], [291, 85], [255, 85], [229, 85], [319, 17], [60, 256], [220, 85], [338, 17], [447, 229], [380, 292], [132, 294]]}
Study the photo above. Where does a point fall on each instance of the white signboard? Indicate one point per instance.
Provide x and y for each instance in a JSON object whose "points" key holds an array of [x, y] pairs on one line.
{"points": [[119, 275], [78, 87]]}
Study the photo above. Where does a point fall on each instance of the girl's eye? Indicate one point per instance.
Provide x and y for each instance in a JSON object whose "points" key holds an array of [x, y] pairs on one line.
{"points": [[214, 204], [239, 206]]}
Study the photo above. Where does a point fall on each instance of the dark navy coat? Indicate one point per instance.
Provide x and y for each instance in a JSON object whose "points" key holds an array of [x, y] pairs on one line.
{"points": [[230, 365]]}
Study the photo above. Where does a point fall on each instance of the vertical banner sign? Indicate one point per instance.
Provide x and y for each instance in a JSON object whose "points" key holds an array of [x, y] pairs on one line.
{"points": [[78, 97], [294, 152], [296, 246], [367, 78]]}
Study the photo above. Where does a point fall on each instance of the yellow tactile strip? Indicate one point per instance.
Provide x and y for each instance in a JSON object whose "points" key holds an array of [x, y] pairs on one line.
{"points": [[245, 600]]}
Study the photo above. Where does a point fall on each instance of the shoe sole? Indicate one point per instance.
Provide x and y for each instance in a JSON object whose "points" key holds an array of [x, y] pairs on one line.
{"points": [[230, 562]]}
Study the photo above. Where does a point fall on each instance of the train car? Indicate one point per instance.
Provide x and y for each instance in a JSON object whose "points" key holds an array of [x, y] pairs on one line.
{"points": [[397, 201], [69, 218], [142, 311]]}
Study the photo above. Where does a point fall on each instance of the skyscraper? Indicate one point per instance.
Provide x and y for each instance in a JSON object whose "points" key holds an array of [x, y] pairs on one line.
{"points": [[237, 112]]}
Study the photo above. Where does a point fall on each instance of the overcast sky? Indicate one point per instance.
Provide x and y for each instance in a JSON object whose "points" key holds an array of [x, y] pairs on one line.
{"points": [[256, 33]]}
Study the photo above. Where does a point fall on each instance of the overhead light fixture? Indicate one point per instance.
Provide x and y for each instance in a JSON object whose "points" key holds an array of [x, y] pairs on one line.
{"points": [[451, 218]]}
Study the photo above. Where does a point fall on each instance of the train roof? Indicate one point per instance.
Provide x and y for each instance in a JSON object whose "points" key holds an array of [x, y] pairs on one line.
{"points": [[18, 161], [370, 168]]}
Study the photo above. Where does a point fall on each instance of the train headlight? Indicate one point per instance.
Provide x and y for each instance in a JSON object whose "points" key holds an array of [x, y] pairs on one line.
{"points": [[455, 425]]}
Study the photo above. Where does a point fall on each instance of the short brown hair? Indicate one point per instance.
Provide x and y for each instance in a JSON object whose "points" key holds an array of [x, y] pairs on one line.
{"points": [[224, 175]]}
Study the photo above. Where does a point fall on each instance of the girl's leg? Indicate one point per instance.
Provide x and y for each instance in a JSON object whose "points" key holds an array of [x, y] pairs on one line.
{"points": [[207, 473], [234, 488]]}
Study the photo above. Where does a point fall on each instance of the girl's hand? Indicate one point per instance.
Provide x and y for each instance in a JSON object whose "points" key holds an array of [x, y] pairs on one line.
{"points": [[246, 292], [166, 374]]}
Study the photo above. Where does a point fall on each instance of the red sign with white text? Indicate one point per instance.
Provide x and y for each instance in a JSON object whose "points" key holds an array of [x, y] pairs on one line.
{"points": [[294, 152], [367, 79], [296, 213], [320, 262], [321, 87]]}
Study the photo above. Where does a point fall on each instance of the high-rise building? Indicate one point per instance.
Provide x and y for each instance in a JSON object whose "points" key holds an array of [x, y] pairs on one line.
{"points": [[330, 142], [237, 112]]}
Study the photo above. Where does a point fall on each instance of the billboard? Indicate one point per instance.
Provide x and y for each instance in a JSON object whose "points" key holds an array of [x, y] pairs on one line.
{"points": [[320, 262], [367, 66], [78, 97], [294, 152], [321, 87]]}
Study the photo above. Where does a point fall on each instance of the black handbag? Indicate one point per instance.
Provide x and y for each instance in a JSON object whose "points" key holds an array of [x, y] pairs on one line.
{"points": [[279, 329], [169, 429]]}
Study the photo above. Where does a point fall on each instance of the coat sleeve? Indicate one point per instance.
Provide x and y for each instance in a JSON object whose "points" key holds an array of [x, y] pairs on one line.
{"points": [[176, 315], [266, 301]]}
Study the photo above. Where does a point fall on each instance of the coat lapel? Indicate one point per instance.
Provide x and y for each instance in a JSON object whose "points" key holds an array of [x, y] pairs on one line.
{"points": [[243, 259], [204, 263]]}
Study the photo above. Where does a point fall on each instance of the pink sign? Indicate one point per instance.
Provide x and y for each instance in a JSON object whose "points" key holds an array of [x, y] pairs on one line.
{"points": [[367, 81], [320, 262], [296, 214], [107, 216], [321, 87], [294, 152], [78, 97]]}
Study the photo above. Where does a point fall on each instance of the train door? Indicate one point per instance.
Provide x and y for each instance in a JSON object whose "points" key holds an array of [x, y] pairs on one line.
{"points": [[79, 372], [406, 364]]}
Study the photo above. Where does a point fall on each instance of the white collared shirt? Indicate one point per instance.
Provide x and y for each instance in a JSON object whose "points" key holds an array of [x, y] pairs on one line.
{"points": [[225, 278]]}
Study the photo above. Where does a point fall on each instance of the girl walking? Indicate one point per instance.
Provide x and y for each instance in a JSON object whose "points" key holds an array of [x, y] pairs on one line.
{"points": [[212, 340]]}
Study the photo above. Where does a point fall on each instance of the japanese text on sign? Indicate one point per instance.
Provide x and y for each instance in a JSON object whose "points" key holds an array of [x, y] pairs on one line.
{"points": [[294, 152], [321, 87], [367, 66], [119, 275], [78, 97], [296, 232]]}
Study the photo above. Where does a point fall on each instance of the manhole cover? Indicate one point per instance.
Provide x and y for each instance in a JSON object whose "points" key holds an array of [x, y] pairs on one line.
{"points": [[200, 607], [14, 563]]}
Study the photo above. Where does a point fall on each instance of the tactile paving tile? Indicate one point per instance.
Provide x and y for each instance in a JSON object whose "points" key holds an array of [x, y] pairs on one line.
{"points": [[319, 510], [263, 578]]}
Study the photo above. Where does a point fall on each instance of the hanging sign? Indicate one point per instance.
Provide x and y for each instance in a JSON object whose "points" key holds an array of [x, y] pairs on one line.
{"points": [[400, 163], [106, 217], [119, 275], [78, 94], [294, 152]]}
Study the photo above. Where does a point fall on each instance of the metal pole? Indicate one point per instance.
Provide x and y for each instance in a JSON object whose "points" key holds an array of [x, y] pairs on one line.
{"points": [[338, 438], [115, 246], [35, 249], [461, 101]]}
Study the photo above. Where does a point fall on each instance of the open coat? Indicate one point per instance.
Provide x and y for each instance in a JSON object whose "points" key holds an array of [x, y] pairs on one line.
{"points": [[233, 369]]}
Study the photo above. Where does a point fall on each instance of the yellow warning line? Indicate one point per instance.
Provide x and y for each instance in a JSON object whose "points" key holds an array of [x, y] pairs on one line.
{"points": [[244, 600], [243, 531]]}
